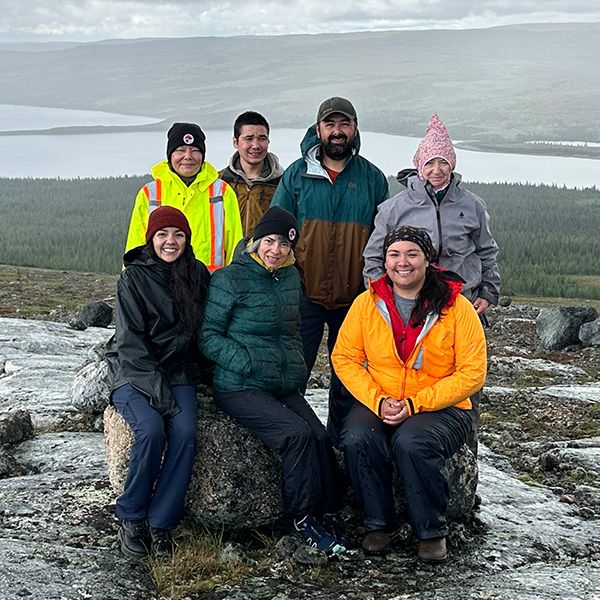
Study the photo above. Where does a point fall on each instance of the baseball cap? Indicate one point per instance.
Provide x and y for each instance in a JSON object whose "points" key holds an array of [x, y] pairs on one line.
{"points": [[336, 105]]}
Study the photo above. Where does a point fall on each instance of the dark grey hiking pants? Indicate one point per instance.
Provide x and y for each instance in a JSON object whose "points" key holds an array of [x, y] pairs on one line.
{"points": [[418, 448], [289, 426]]}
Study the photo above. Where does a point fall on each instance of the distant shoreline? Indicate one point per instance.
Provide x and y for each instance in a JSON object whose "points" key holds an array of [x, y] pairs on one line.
{"points": [[540, 148]]}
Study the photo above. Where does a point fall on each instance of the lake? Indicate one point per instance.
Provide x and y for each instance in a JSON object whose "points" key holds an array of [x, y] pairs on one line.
{"points": [[133, 153]]}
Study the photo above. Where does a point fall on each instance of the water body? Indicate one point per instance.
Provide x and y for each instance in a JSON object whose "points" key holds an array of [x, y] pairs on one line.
{"points": [[133, 153]]}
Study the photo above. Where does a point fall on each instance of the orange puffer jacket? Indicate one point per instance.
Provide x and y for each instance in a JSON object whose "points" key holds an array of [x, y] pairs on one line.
{"points": [[446, 366]]}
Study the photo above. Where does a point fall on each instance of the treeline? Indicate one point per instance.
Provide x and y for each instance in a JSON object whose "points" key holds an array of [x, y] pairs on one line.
{"points": [[548, 235], [71, 224]]}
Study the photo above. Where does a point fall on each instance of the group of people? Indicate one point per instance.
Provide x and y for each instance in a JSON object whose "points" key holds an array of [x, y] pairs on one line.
{"points": [[231, 276]]}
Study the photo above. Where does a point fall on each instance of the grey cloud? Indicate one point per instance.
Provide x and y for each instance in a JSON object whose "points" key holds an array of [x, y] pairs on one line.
{"points": [[95, 19]]}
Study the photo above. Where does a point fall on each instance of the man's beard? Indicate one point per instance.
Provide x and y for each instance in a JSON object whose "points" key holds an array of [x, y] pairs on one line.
{"points": [[337, 151]]}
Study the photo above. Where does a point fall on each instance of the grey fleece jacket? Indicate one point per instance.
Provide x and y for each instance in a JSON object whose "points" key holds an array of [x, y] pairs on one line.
{"points": [[459, 230]]}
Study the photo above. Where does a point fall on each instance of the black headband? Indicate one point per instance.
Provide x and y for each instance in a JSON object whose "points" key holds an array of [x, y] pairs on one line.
{"points": [[417, 235]]}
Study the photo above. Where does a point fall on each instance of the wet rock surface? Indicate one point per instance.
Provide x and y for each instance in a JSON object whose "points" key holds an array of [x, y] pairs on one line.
{"points": [[535, 535]]}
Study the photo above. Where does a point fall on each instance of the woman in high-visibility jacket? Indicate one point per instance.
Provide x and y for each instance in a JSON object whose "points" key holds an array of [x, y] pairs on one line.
{"points": [[411, 351], [192, 185]]}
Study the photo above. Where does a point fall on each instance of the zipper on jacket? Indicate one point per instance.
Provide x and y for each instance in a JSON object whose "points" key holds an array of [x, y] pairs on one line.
{"points": [[438, 218]]}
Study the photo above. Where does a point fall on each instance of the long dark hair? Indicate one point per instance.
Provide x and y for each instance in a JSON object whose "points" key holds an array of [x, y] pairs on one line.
{"points": [[188, 288], [434, 296]]}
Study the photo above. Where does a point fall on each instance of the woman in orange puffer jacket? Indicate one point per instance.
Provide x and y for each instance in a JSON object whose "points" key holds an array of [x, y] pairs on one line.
{"points": [[411, 351]]}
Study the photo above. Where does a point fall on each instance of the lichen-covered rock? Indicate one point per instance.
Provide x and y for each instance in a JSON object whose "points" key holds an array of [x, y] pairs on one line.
{"points": [[589, 333], [15, 427], [236, 481], [559, 327], [9, 467], [118, 439], [90, 392], [96, 313]]}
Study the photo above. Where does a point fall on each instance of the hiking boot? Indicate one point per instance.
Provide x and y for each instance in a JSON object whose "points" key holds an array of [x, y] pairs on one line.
{"points": [[377, 542], [133, 536], [315, 535], [162, 542], [334, 526], [433, 550]]}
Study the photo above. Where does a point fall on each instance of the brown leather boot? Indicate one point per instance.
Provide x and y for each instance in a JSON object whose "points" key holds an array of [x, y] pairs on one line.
{"points": [[433, 550], [377, 542]]}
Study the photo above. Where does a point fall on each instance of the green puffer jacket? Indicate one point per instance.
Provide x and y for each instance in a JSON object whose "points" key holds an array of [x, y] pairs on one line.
{"points": [[251, 328]]}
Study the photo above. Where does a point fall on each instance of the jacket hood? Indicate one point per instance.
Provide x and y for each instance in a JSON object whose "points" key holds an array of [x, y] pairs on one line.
{"points": [[140, 256], [205, 177], [272, 170], [311, 140]]}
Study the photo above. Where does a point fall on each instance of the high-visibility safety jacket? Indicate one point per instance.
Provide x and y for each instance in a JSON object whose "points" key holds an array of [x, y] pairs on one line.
{"points": [[446, 366], [209, 204]]}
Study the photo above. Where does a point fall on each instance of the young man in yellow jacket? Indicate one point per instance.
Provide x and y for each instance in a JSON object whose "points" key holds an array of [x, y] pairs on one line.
{"points": [[187, 182]]}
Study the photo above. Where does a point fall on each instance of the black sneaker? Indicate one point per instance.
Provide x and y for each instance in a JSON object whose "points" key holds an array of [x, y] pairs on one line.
{"points": [[335, 527], [314, 534], [162, 542], [133, 536]]}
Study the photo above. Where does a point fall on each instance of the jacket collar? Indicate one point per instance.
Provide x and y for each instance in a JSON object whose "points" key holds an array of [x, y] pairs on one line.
{"points": [[207, 175], [272, 169]]}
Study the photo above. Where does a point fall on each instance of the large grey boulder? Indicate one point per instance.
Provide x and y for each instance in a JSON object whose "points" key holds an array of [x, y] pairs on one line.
{"points": [[236, 482], [90, 392], [559, 327], [589, 333]]}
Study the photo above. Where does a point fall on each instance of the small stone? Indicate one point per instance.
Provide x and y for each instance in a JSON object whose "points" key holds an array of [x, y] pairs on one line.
{"points": [[286, 546], [568, 499], [15, 427], [309, 556]]}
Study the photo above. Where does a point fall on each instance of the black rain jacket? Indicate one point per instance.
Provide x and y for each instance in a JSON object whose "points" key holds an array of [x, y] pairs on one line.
{"points": [[150, 348]]}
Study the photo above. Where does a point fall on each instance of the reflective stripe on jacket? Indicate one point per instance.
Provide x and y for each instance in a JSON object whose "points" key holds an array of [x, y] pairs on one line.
{"points": [[446, 366], [208, 203]]}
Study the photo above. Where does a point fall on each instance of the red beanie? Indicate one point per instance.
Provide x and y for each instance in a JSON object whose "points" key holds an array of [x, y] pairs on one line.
{"points": [[167, 216]]}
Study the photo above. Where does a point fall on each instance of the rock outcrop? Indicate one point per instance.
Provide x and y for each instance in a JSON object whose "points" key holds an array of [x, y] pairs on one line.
{"points": [[536, 533]]}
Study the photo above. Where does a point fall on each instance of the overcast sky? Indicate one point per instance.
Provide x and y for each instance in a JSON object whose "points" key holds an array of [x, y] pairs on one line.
{"points": [[86, 20]]}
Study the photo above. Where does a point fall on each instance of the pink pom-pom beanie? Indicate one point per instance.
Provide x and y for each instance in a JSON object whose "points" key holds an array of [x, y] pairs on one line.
{"points": [[435, 144]]}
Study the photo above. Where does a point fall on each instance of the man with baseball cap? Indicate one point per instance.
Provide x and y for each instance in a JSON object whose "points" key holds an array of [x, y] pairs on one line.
{"points": [[187, 182], [334, 193]]}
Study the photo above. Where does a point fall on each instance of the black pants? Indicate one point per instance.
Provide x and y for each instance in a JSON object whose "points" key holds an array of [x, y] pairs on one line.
{"points": [[418, 447], [313, 319], [289, 426]]}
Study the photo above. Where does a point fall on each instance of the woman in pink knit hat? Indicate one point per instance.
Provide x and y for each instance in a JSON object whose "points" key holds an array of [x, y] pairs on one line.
{"points": [[456, 219]]}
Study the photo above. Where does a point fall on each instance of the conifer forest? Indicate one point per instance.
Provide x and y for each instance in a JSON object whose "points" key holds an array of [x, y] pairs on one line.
{"points": [[548, 235]]}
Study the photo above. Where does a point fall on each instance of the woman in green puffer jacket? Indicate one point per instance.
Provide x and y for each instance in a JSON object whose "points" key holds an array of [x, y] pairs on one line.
{"points": [[251, 331]]}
